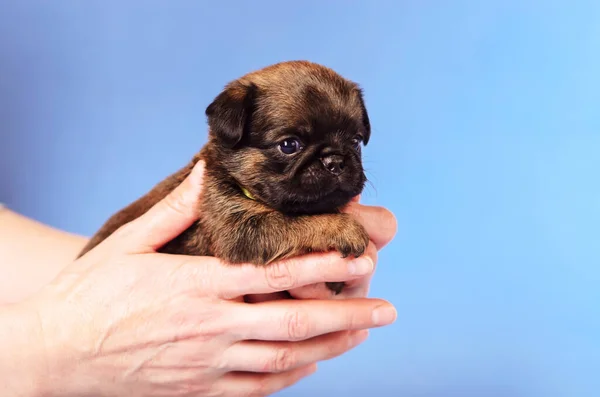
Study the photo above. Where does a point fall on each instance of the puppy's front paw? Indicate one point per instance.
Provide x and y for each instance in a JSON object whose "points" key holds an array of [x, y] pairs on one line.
{"points": [[351, 238]]}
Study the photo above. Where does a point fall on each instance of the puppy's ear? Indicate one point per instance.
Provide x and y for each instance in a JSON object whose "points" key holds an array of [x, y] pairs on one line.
{"points": [[230, 113], [365, 117]]}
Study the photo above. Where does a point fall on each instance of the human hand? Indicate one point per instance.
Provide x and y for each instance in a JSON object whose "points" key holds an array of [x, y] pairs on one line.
{"points": [[126, 320]]}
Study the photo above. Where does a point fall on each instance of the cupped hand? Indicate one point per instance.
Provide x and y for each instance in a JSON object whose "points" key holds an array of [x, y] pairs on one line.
{"points": [[126, 320]]}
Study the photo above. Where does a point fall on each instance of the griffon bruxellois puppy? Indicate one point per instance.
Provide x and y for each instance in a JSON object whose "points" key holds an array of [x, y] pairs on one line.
{"points": [[283, 158]]}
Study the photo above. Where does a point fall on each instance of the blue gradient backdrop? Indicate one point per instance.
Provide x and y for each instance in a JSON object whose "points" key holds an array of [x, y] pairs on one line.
{"points": [[485, 145]]}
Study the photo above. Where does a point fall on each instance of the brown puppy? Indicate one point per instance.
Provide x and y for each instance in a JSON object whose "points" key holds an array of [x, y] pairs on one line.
{"points": [[282, 158]]}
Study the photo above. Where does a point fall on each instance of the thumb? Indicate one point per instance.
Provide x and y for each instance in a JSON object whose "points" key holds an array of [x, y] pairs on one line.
{"points": [[170, 216]]}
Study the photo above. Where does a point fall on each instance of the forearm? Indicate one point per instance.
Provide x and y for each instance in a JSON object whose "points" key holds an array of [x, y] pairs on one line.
{"points": [[31, 255]]}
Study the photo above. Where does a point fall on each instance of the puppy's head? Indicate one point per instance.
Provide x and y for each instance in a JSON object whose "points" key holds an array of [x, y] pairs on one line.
{"points": [[291, 134]]}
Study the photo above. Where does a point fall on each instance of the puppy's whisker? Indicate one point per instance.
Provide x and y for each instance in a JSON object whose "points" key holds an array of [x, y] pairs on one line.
{"points": [[369, 182], [371, 185]]}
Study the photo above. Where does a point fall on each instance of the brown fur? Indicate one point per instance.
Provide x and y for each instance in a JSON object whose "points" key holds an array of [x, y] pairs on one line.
{"points": [[298, 202]]}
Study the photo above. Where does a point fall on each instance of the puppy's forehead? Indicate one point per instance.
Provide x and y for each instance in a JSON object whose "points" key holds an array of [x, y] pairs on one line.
{"points": [[299, 91]]}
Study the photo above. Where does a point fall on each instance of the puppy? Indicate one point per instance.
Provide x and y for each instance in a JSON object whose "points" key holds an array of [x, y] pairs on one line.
{"points": [[283, 157]]}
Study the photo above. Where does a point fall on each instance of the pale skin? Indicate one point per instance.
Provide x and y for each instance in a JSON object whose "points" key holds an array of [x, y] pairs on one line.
{"points": [[125, 320]]}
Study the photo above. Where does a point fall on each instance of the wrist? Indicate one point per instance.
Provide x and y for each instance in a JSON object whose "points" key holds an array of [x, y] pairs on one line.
{"points": [[23, 362]]}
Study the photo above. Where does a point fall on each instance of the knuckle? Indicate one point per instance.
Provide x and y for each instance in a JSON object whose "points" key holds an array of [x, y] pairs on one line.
{"points": [[353, 319], [283, 360], [200, 277], [202, 324], [279, 277], [359, 320], [297, 324], [175, 202], [338, 347]]}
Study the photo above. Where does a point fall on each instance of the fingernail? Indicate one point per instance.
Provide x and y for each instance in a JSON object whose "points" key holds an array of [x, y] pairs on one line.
{"points": [[360, 266], [384, 315], [359, 337]]}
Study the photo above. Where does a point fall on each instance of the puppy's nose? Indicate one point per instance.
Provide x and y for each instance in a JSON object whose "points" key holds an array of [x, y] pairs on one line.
{"points": [[333, 163]]}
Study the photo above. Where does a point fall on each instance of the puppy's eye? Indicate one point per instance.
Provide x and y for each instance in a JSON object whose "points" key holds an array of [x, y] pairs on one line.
{"points": [[290, 146], [356, 141]]}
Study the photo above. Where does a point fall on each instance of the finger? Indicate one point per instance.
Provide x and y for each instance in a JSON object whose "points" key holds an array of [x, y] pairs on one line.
{"points": [[259, 356], [171, 216], [295, 320], [231, 281], [255, 384], [380, 223], [355, 288]]}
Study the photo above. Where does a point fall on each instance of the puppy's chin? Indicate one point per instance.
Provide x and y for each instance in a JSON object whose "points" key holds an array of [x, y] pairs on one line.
{"points": [[323, 197], [307, 205]]}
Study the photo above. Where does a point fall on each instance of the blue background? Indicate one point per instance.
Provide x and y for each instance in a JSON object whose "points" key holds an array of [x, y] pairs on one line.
{"points": [[485, 146]]}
